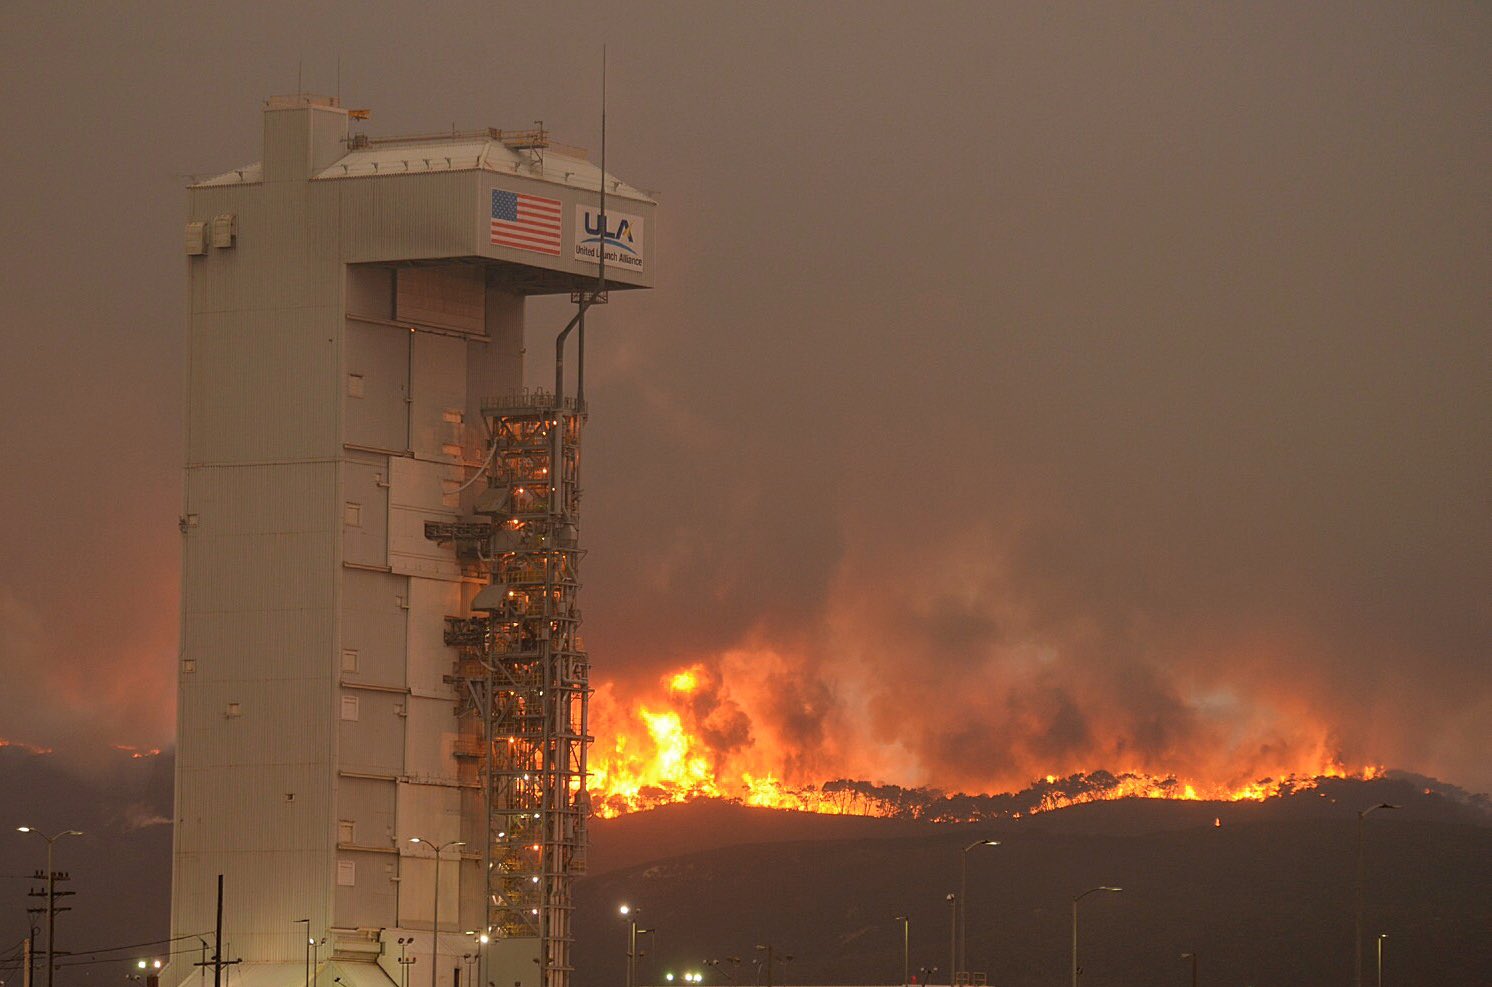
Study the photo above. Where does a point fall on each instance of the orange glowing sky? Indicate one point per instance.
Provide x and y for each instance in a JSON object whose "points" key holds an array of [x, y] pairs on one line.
{"points": [[1025, 392]]}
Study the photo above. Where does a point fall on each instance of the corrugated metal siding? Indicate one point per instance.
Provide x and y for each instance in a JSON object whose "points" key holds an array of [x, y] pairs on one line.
{"points": [[263, 499], [408, 217], [287, 153], [261, 888], [283, 256], [258, 392], [448, 295]]}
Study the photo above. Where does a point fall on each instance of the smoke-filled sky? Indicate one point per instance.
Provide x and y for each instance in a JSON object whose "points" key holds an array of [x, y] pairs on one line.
{"points": [[1029, 388]]}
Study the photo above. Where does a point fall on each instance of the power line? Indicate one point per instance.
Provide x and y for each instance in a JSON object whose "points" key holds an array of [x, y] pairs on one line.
{"points": [[121, 959], [136, 945]]}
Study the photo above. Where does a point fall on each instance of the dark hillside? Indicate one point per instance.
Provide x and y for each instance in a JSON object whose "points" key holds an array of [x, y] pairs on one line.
{"points": [[1265, 898]]}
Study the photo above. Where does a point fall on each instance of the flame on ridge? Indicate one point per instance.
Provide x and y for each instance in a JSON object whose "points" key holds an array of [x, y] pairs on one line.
{"points": [[137, 752], [28, 748], [661, 753]]}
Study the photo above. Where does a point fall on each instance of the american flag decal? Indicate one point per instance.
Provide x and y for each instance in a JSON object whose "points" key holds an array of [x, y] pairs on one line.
{"points": [[525, 222]]}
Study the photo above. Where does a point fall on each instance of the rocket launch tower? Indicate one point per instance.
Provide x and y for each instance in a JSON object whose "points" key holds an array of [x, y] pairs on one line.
{"points": [[382, 725]]}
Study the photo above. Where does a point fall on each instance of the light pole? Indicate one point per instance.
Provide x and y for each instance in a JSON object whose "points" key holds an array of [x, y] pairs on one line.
{"points": [[1381, 936], [906, 949], [735, 960], [404, 943], [1193, 958], [435, 918], [952, 939], [51, 891], [307, 923], [1075, 926], [963, 908], [626, 912], [1357, 929], [768, 949], [482, 940], [316, 955]]}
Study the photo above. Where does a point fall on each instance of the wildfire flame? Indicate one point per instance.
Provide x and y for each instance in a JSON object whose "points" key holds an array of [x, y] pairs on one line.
{"points": [[137, 752], [28, 748], [668, 751]]}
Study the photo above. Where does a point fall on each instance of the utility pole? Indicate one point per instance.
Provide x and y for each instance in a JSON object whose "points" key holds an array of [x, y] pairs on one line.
{"points": [[217, 963], [30, 959], [51, 893]]}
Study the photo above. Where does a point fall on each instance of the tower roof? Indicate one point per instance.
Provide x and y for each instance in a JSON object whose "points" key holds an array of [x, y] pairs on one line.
{"points": [[529, 154]]}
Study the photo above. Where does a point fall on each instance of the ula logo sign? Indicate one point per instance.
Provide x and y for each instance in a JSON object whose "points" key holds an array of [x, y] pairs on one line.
{"points": [[621, 237]]}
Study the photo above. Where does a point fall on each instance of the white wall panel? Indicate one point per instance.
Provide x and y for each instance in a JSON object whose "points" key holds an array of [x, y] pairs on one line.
{"points": [[365, 511], [439, 395], [375, 608], [431, 812], [419, 494], [374, 742], [376, 386], [430, 739], [417, 891], [430, 658], [369, 803], [371, 900]]}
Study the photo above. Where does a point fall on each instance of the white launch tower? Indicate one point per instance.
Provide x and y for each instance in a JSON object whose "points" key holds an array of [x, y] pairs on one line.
{"points": [[381, 556]]}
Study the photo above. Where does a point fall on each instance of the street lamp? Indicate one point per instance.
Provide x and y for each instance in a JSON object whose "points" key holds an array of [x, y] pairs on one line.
{"points": [[1381, 936], [906, 951], [1193, 958], [952, 939], [633, 931], [404, 963], [307, 923], [626, 912], [963, 909], [435, 918], [482, 940], [1075, 926], [1357, 933], [735, 960], [768, 964], [51, 892]]}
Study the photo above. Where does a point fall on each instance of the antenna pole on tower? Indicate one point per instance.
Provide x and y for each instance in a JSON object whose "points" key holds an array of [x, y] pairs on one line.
{"points": [[601, 256]]}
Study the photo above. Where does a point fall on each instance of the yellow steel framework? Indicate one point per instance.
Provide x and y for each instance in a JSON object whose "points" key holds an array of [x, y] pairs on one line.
{"points": [[522, 675]]}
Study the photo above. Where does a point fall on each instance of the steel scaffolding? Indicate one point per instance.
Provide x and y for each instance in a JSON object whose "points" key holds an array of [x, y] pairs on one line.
{"points": [[522, 675]]}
